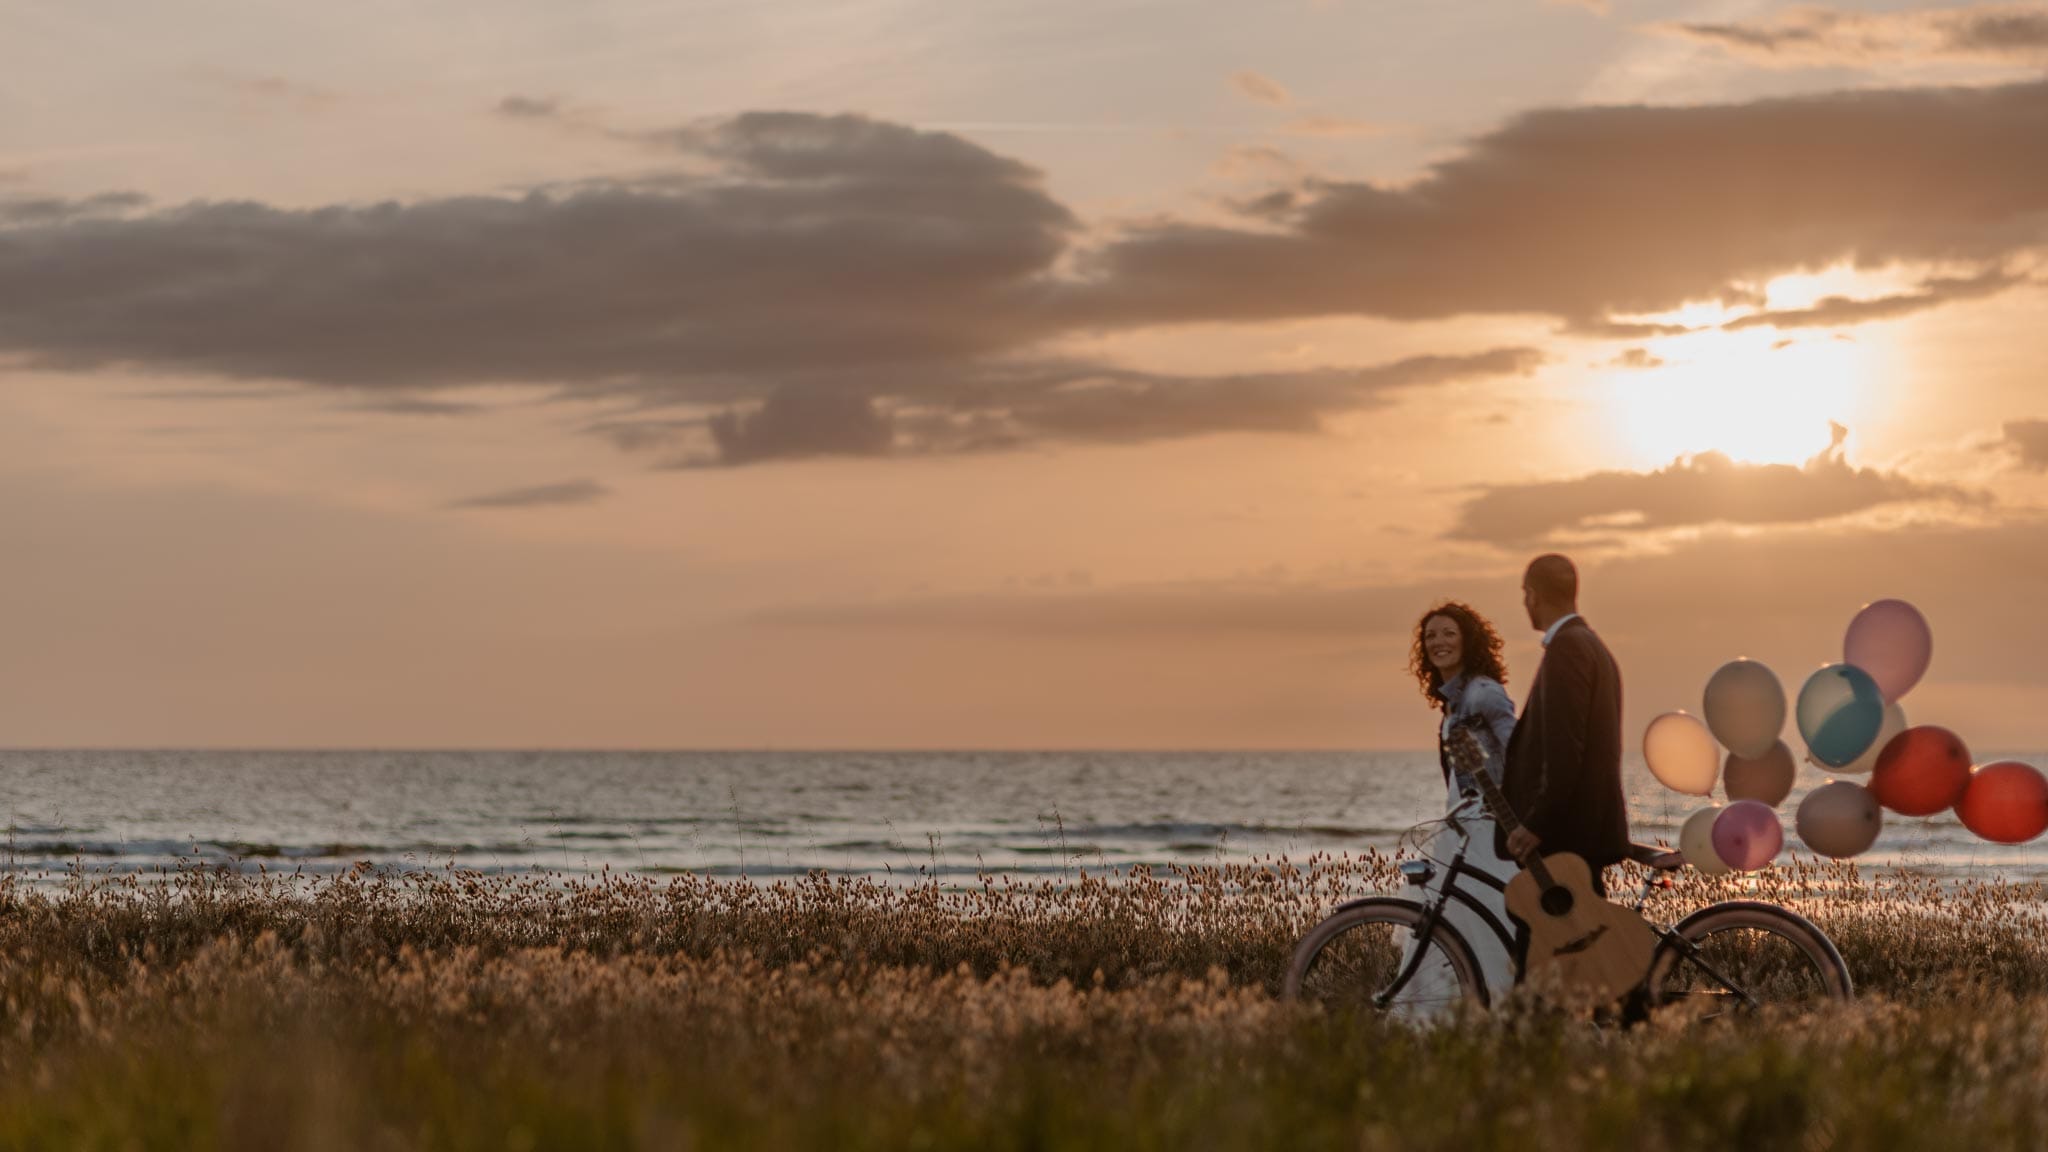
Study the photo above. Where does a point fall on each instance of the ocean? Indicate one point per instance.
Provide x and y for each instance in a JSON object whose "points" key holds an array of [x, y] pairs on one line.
{"points": [[892, 815]]}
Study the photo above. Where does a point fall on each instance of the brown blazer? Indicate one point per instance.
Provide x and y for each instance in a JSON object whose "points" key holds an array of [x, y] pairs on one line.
{"points": [[1563, 775]]}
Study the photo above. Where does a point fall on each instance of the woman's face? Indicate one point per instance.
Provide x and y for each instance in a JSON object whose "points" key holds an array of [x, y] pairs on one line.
{"points": [[1444, 644]]}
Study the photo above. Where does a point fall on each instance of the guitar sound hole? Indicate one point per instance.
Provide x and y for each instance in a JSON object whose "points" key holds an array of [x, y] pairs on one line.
{"points": [[1557, 900]]}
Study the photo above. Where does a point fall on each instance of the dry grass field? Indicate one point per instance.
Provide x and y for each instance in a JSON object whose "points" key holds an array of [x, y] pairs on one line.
{"points": [[211, 1010]]}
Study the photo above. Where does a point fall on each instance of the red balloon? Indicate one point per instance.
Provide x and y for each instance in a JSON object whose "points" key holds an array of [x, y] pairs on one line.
{"points": [[1922, 771], [2005, 803]]}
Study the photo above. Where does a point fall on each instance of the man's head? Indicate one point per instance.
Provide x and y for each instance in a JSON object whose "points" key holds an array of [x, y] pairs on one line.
{"points": [[1550, 590]]}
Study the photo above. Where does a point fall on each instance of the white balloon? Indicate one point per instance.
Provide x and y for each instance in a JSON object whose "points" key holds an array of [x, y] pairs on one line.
{"points": [[1681, 753], [1894, 723], [1696, 842], [1839, 819], [1745, 708]]}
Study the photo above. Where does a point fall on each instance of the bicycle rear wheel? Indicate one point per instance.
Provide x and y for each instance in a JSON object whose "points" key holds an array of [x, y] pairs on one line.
{"points": [[1347, 962], [1743, 955]]}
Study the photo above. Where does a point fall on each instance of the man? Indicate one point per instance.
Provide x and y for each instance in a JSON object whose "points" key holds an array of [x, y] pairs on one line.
{"points": [[1563, 773]]}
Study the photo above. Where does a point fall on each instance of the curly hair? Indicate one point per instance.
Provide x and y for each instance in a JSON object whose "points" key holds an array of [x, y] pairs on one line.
{"points": [[1482, 649]]}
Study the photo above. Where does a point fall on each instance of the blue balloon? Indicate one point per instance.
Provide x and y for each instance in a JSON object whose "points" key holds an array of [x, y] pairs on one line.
{"points": [[1841, 711]]}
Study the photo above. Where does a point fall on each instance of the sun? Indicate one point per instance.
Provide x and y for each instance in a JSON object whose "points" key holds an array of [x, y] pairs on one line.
{"points": [[1754, 396]]}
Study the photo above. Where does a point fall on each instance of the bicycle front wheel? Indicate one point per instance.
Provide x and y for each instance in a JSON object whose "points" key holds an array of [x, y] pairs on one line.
{"points": [[1352, 961], [1745, 955]]}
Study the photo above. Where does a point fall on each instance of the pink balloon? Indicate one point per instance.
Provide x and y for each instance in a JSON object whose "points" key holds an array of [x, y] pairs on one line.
{"points": [[1890, 640], [1747, 835]]}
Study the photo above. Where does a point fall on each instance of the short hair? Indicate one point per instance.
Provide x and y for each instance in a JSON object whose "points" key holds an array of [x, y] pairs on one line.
{"points": [[1553, 578]]}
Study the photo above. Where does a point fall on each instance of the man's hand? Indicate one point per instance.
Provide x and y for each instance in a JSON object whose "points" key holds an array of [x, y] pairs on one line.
{"points": [[1522, 843]]}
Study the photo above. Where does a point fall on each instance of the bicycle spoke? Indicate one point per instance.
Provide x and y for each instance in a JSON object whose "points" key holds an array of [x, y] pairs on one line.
{"points": [[1760, 965], [1359, 965]]}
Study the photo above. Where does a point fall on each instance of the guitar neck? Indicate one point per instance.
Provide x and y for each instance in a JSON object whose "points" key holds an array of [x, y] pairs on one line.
{"points": [[1504, 815], [1496, 802]]}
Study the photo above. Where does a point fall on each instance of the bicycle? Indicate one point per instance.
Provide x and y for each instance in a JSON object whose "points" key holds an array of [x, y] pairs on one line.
{"points": [[1403, 956]]}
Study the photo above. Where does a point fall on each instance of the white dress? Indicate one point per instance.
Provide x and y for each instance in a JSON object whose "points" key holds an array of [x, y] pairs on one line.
{"points": [[1482, 698]]}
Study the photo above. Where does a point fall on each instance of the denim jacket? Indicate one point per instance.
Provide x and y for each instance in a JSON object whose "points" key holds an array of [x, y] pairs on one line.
{"points": [[1481, 697]]}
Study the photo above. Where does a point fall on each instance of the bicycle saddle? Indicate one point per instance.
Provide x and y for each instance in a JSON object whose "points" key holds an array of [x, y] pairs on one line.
{"points": [[1659, 859]]}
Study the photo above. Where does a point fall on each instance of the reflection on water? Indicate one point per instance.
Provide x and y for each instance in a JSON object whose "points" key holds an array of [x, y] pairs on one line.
{"points": [[769, 814]]}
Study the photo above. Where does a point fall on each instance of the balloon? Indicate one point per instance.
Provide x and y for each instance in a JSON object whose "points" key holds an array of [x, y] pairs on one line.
{"points": [[1839, 819], [1766, 779], [1894, 723], [2005, 803], [1745, 707], [1696, 842], [1747, 835], [1922, 771], [1840, 712], [1890, 640], [1681, 753]]}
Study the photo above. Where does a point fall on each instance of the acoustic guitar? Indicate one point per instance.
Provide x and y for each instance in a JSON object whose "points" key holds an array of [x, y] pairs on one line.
{"points": [[1595, 948]]}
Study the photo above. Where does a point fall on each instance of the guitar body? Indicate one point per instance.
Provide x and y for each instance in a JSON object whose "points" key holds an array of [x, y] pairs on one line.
{"points": [[1591, 946]]}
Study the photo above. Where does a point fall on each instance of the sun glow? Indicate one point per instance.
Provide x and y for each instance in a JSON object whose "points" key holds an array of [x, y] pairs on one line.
{"points": [[1751, 395]]}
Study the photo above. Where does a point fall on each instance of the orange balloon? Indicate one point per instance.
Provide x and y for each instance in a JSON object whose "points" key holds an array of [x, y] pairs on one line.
{"points": [[1922, 771], [2005, 803]]}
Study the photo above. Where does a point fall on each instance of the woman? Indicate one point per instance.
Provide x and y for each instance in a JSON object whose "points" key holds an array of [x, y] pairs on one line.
{"points": [[1456, 659]]}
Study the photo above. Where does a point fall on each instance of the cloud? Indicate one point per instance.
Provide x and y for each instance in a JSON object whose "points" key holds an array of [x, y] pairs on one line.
{"points": [[1332, 128], [1260, 89], [821, 245], [1835, 311], [1691, 492], [788, 253], [1588, 213], [1637, 358], [402, 405], [1043, 404], [48, 211], [546, 495], [1728, 590], [1819, 37], [517, 107], [278, 90], [2027, 441], [801, 422]]}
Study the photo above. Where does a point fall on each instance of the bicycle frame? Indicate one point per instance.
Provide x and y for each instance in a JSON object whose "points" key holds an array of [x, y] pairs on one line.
{"points": [[1433, 912]]}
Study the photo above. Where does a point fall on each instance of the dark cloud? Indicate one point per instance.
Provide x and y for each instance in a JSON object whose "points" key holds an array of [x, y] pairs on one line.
{"points": [[1637, 358], [1588, 213], [1835, 311], [823, 245], [1691, 492], [1051, 404], [546, 495], [796, 423], [648, 434], [1816, 37], [2027, 441], [46, 211], [401, 405], [791, 253]]}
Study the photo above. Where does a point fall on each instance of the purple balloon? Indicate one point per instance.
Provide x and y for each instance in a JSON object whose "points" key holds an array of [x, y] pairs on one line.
{"points": [[1747, 835], [1890, 640]]}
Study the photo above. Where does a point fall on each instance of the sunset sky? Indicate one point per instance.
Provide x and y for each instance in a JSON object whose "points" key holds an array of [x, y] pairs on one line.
{"points": [[1014, 373]]}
